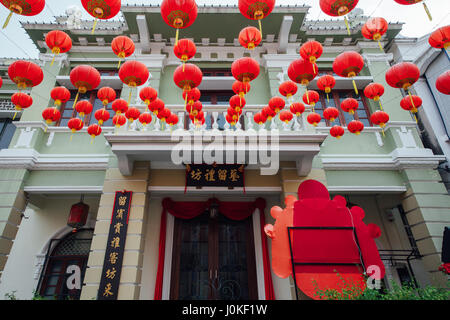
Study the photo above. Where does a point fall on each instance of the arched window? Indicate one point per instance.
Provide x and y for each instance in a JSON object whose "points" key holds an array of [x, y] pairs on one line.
{"points": [[67, 261]]}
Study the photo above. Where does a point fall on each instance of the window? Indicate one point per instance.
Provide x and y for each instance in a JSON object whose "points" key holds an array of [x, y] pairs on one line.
{"points": [[223, 72], [216, 97], [68, 112], [7, 129], [73, 250]]}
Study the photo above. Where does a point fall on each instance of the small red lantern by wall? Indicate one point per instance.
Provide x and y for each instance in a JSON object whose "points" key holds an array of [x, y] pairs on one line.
{"points": [[132, 114], [350, 105], [179, 14], [302, 71], [78, 215], [311, 97], [237, 103], [22, 7], [104, 9], [50, 115], [172, 120], [184, 50], [374, 29], [84, 78], [188, 76], [379, 118], [331, 114], [337, 132], [25, 74], [286, 116], [83, 107], [163, 115], [256, 9], [408, 2], [21, 101], [288, 89], [106, 95], [411, 103], [191, 96], [60, 95], [259, 118], [355, 126], [245, 69], [311, 51], [241, 88], [145, 118], [102, 115], [59, 42], [314, 118], [75, 124], [94, 130], [297, 108], [123, 47], [374, 91], [156, 106], [348, 65], [276, 104], [403, 75], [194, 108], [119, 106], [148, 95], [250, 37], [443, 82], [119, 120], [338, 8], [326, 83], [268, 113], [440, 39], [133, 74]]}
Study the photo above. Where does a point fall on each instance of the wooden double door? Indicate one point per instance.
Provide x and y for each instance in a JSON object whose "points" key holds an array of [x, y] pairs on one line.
{"points": [[213, 259]]}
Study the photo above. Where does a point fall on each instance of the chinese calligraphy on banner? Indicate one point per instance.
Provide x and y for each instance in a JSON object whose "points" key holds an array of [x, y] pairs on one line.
{"points": [[112, 265], [215, 175]]}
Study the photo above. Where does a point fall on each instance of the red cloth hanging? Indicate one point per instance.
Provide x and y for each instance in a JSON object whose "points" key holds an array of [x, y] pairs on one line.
{"points": [[232, 210]]}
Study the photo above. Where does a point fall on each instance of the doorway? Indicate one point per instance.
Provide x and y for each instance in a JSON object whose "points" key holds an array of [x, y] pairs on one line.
{"points": [[213, 259]]}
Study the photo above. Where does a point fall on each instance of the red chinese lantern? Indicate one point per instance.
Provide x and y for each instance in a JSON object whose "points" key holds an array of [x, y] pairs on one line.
{"points": [[145, 118], [1, 82], [443, 83], [164, 114], [123, 47], [245, 69], [348, 65], [106, 95], [403, 75], [132, 114], [51, 115], [374, 29], [268, 113], [102, 115], [440, 39], [156, 106], [21, 101], [259, 118], [326, 83], [172, 120], [374, 91], [288, 89], [191, 96], [311, 97], [241, 88], [84, 78], [83, 107], [250, 37], [297, 108], [276, 104], [302, 71], [60, 95], [94, 130], [75, 124], [286, 116], [119, 106], [338, 8], [59, 42], [411, 103], [101, 9], [379, 118], [331, 113], [408, 2], [179, 14], [229, 119], [349, 105], [187, 77], [119, 120], [256, 9], [184, 49], [22, 7], [355, 126], [195, 108], [148, 95], [337, 132], [78, 215], [25, 74], [133, 74], [234, 114], [237, 103], [311, 51], [313, 118]]}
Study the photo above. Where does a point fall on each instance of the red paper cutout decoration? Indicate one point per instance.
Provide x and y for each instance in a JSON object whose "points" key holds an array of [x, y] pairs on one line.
{"points": [[22, 7]]}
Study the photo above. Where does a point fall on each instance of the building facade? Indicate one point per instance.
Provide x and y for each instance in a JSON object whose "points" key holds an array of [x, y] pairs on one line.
{"points": [[44, 171]]}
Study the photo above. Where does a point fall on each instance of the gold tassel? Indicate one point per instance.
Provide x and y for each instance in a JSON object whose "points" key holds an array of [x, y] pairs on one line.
{"points": [[53, 60], [346, 24], [118, 65], [185, 103], [354, 86], [382, 130], [427, 11], [381, 106], [93, 27], [328, 98], [45, 130], [7, 19], [15, 114], [129, 95], [260, 27], [176, 36], [415, 118], [76, 99], [92, 140], [183, 65], [381, 47], [411, 98], [71, 137]]}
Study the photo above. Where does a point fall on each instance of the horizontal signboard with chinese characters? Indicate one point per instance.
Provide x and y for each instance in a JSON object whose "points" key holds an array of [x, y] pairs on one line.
{"points": [[112, 265], [215, 175]]}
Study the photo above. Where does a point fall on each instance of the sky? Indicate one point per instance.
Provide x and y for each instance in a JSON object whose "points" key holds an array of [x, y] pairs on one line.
{"points": [[15, 43]]}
